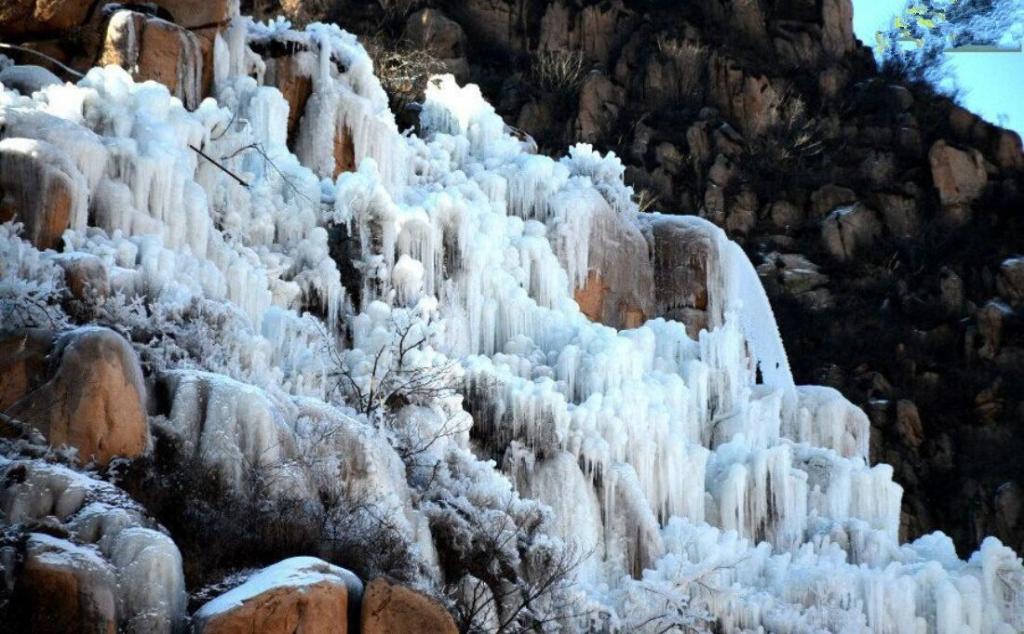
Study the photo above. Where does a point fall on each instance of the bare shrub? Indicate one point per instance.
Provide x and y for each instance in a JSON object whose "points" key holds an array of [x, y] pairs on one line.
{"points": [[404, 70], [558, 71]]}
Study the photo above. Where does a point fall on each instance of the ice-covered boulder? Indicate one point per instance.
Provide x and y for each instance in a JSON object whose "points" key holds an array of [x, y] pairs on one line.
{"points": [[125, 573], [619, 290], [64, 587], [27, 79], [41, 188], [301, 594], [151, 48], [95, 400], [390, 607]]}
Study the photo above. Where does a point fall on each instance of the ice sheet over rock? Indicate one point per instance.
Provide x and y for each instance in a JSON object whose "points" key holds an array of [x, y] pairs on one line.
{"points": [[691, 469]]}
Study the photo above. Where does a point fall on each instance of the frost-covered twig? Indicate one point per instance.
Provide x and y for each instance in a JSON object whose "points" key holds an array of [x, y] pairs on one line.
{"points": [[221, 167]]}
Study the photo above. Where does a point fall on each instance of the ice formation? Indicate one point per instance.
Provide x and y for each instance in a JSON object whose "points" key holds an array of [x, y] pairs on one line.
{"points": [[693, 471]]}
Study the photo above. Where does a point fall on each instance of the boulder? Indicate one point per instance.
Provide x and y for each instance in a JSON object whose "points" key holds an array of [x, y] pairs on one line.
{"points": [[114, 572], [389, 607], [908, 423], [64, 587], [195, 15], [151, 48], [23, 363], [600, 104], [301, 594], [23, 18], [752, 101], [432, 31], [786, 215], [991, 319], [682, 253], [619, 288], [41, 188], [830, 197], [849, 230], [837, 27], [28, 79], [85, 275], [899, 214], [94, 402], [958, 175], [742, 216], [1007, 150], [1010, 282]]}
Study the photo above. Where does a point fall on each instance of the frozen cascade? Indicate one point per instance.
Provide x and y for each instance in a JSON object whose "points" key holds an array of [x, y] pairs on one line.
{"points": [[669, 459]]}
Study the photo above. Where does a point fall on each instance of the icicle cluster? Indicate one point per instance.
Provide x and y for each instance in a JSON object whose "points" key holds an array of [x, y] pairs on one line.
{"points": [[693, 470]]}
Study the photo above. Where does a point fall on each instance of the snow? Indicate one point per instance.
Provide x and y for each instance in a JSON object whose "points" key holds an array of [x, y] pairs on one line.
{"points": [[295, 572], [691, 470]]}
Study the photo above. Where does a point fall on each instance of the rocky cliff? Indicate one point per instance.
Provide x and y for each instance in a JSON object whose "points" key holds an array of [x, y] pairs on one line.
{"points": [[248, 319], [883, 217]]}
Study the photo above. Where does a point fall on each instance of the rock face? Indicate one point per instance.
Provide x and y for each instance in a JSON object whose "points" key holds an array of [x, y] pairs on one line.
{"points": [[389, 607], [302, 594], [95, 400]]}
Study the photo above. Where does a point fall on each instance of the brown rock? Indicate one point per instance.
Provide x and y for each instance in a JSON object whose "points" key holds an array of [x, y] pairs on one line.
{"points": [[837, 27], [302, 594], [22, 364], [959, 175], [1008, 152], [900, 214], [752, 101], [66, 588], [908, 423], [682, 253], [344, 150], [435, 33], [41, 17], [390, 608], [85, 275], [830, 197], [192, 15], [41, 188], [619, 288], [848, 230], [742, 216], [786, 215], [151, 48], [599, 107], [1011, 280], [284, 74], [95, 401], [991, 318]]}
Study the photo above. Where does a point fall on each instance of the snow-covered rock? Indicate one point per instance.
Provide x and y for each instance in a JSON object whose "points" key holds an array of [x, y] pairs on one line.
{"points": [[301, 594], [124, 571]]}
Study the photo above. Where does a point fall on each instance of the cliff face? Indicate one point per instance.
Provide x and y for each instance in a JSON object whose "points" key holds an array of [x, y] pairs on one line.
{"points": [[441, 357], [884, 218]]}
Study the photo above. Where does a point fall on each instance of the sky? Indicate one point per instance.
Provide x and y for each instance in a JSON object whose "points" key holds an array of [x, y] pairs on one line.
{"points": [[991, 84]]}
